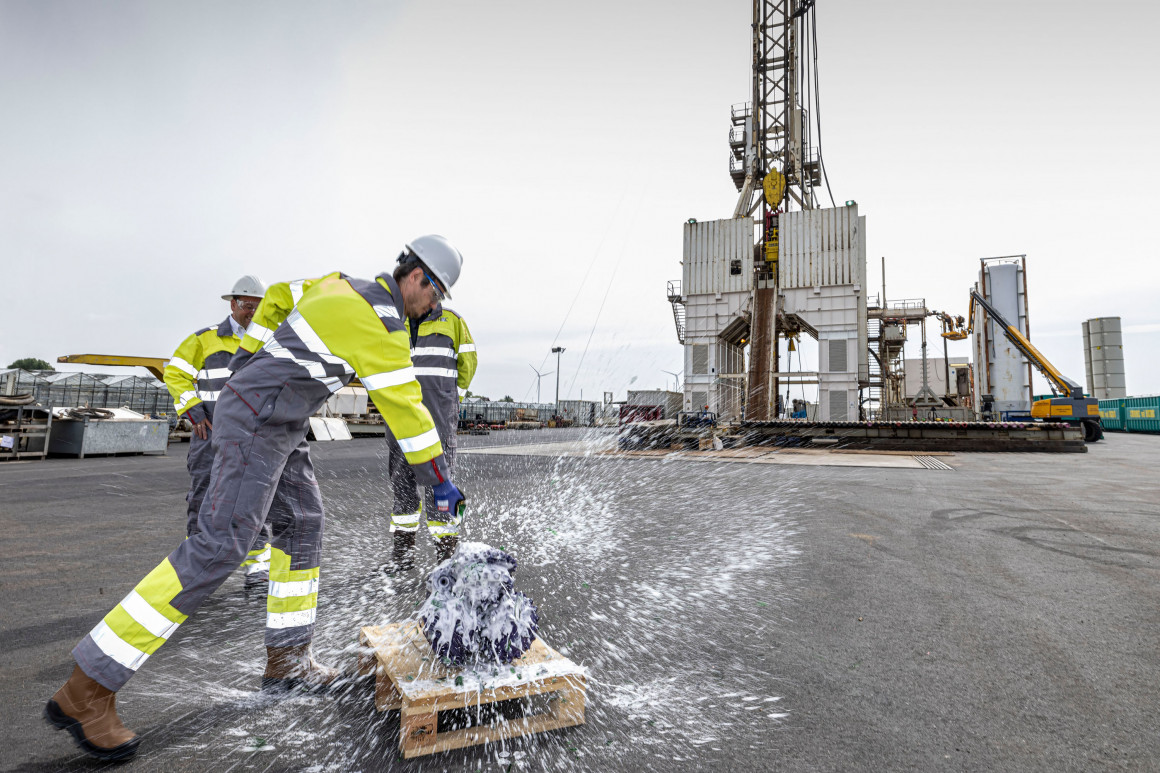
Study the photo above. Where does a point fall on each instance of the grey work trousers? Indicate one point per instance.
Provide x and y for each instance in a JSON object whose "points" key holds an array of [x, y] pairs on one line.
{"points": [[199, 462], [406, 512], [262, 466]]}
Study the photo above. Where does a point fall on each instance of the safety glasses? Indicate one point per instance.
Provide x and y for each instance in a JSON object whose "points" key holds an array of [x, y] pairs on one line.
{"points": [[438, 292]]}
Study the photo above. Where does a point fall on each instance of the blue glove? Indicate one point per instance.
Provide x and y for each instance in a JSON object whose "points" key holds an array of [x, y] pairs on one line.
{"points": [[448, 499]]}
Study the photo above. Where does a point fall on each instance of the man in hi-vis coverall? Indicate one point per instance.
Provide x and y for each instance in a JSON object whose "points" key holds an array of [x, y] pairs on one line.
{"points": [[337, 328], [445, 361], [195, 376]]}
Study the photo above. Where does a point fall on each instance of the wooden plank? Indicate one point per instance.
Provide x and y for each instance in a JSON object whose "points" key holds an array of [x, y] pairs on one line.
{"points": [[566, 712], [398, 653], [452, 698], [416, 731], [387, 696], [405, 654], [365, 660]]}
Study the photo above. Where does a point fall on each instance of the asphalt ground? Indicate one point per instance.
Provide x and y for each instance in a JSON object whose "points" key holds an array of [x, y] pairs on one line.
{"points": [[1000, 616]]}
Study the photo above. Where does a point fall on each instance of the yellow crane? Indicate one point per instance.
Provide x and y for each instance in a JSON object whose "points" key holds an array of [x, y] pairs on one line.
{"points": [[155, 365], [1069, 404]]}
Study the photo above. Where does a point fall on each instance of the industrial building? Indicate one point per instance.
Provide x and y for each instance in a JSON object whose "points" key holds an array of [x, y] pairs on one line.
{"points": [[784, 266]]}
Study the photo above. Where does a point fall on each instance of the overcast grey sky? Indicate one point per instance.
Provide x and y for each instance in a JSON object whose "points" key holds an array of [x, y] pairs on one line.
{"points": [[150, 153]]}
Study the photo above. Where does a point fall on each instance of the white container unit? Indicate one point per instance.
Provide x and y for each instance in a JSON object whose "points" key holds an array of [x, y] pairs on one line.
{"points": [[821, 279], [717, 283]]}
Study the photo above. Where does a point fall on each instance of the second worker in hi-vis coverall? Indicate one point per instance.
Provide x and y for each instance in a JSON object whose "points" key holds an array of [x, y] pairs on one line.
{"points": [[339, 327], [445, 361], [195, 375]]}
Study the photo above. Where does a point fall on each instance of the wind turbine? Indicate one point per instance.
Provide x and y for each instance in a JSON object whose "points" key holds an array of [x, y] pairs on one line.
{"points": [[539, 376], [676, 379]]}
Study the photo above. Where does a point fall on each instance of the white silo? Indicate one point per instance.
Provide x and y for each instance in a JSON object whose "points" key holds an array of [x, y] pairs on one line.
{"points": [[1104, 358], [1002, 372]]}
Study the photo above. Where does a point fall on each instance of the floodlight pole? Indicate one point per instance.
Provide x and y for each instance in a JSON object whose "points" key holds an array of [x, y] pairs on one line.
{"points": [[557, 350]]}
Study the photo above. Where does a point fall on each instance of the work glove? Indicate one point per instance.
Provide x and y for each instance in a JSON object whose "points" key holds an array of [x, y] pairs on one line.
{"points": [[449, 500]]}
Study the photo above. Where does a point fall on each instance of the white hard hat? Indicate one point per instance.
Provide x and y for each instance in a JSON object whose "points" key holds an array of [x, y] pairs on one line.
{"points": [[439, 256], [248, 285]]}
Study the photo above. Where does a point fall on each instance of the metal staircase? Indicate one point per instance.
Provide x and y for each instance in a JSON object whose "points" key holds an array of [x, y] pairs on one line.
{"points": [[872, 400], [678, 302]]}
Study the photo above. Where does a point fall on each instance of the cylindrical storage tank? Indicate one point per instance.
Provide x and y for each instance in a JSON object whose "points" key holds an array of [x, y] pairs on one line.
{"points": [[1104, 349]]}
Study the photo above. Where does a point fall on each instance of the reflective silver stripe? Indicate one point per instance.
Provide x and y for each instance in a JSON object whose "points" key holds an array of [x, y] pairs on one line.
{"points": [[465, 348], [147, 617], [296, 290], [181, 364], [452, 521], [285, 590], [214, 373], [405, 519], [399, 527], [389, 378], [441, 530], [259, 332], [313, 342], [447, 372], [315, 369], [387, 311], [432, 351], [117, 648], [291, 619], [419, 442], [184, 399], [208, 397]]}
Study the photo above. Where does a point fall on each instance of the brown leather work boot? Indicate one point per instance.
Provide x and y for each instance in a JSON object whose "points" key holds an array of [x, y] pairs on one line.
{"points": [[88, 710], [290, 668], [445, 547]]}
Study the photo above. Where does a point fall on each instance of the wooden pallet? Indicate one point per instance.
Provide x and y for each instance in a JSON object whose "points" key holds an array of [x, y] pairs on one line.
{"points": [[410, 679]]}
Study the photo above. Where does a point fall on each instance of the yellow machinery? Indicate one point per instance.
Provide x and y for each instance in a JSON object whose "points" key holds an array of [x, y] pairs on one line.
{"points": [[774, 188], [1069, 403], [155, 365], [954, 328]]}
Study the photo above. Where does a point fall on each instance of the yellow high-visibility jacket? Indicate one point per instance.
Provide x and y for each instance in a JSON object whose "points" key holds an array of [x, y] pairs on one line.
{"points": [[198, 370], [445, 360], [319, 333]]}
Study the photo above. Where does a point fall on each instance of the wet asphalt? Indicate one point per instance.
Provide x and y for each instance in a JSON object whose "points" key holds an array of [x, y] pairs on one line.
{"points": [[1001, 616]]}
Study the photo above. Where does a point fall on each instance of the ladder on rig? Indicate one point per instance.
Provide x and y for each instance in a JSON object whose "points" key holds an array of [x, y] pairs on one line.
{"points": [[678, 302], [872, 402]]}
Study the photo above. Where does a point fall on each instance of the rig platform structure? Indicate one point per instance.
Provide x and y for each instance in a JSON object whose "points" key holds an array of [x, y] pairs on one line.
{"points": [[880, 435]]}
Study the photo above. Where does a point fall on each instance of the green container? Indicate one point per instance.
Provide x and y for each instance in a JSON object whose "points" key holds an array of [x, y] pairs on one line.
{"points": [[1142, 414], [1112, 414]]}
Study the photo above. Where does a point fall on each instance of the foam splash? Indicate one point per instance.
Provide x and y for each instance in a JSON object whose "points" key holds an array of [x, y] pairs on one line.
{"points": [[472, 613]]}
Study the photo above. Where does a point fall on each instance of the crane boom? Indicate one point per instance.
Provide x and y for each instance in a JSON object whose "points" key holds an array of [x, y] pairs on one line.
{"points": [[155, 365], [1058, 381]]}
